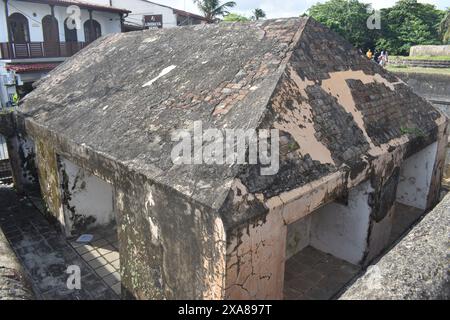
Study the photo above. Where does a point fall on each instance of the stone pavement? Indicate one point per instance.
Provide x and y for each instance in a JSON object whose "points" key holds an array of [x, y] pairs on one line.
{"points": [[315, 275], [14, 284], [103, 256], [45, 254]]}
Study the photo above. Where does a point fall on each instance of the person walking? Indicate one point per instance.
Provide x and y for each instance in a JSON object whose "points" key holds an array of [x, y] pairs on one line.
{"points": [[382, 59]]}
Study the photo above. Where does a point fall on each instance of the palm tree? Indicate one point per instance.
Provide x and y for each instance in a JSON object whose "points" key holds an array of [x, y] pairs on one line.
{"points": [[258, 14], [213, 9], [445, 27]]}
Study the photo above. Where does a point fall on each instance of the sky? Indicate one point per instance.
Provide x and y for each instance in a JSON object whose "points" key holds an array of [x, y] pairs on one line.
{"points": [[284, 8]]}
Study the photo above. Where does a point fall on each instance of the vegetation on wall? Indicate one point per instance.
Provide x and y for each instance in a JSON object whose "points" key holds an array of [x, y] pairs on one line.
{"points": [[234, 17]]}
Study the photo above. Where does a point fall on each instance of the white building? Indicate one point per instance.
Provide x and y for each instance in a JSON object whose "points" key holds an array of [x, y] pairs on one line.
{"points": [[154, 15], [37, 35]]}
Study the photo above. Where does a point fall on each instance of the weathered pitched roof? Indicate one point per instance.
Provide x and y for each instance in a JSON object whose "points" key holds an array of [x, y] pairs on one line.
{"points": [[333, 106]]}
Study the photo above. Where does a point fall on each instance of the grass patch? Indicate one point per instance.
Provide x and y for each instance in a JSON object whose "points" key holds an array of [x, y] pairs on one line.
{"points": [[445, 71], [412, 131], [437, 58]]}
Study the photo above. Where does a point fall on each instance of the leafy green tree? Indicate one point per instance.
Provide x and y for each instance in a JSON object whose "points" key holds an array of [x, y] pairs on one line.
{"points": [[409, 23], [444, 28], [234, 17], [213, 9], [259, 14], [348, 18]]}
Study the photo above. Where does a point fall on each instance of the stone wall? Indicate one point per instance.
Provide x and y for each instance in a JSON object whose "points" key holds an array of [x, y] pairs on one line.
{"points": [[436, 89], [170, 246], [416, 268], [430, 51], [21, 152], [433, 87]]}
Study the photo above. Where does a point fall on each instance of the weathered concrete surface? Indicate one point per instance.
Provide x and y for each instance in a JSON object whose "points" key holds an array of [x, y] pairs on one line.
{"points": [[13, 281], [433, 87], [20, 151], [436, 89], [416, 268], [219, 231], [443, 50]]}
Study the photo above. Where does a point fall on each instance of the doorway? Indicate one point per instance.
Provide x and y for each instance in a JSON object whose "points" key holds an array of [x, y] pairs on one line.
{"points": [[51, 36]]}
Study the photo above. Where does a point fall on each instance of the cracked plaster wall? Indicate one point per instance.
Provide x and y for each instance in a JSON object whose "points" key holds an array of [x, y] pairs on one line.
{"points": [[87, 200]]}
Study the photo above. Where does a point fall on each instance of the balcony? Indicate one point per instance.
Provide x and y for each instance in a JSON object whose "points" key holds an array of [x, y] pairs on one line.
{"points": [[29, 50]]}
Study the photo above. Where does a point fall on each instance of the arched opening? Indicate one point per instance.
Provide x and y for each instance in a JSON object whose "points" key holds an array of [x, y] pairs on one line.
{"points": [[18, 26], [70, 31], [71, 37], [51, 36], [92, 30]]}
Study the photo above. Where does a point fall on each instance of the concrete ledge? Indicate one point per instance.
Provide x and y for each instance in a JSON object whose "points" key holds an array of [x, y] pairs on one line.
{"points": [[419, 63], [13, 284], [416, 268], [430, 50]]}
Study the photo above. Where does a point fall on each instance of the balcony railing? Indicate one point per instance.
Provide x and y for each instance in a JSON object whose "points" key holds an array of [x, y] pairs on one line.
{"points": [[39, 49]]}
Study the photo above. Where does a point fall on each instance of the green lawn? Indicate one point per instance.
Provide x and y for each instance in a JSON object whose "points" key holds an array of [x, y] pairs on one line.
{"points": [[437, 58], [406, 69]]}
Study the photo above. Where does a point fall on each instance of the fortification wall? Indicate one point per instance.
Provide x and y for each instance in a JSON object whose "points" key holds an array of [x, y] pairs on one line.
{"points": [[432, 51]]}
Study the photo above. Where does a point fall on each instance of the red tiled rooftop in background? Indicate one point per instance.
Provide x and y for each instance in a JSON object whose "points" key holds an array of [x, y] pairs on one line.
{"points": [[32, 67]]}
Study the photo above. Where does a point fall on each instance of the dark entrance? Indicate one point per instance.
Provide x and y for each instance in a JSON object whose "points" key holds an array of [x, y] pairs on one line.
{"points": [[18, 26], [51, 36]]}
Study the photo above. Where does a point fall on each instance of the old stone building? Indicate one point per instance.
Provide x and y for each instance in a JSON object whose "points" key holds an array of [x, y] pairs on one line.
{"points": [[356, 143]]}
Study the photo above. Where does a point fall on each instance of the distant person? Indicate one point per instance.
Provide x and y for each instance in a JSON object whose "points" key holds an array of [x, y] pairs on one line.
{"points": [[369, 54], [382, 60], [376, 56]]}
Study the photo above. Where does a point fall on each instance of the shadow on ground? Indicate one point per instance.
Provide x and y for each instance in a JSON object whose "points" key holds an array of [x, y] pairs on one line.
{"points": [[44, 253]]}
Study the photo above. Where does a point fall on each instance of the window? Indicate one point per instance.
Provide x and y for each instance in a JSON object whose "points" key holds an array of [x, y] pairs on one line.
{"points": [[18, 26], [70, 31], [92, 30], [51, 36], [50, 29]]}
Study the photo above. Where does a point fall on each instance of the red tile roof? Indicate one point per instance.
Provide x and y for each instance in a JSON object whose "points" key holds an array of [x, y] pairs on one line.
{"points": [[32, 67], [189, 14], [81, 4]]}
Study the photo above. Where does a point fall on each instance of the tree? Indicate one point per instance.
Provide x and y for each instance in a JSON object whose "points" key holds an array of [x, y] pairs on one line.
{"points": [[234, 17], [259, 14], [213, 9], [409, 23], [348, 18], [444, 28]]}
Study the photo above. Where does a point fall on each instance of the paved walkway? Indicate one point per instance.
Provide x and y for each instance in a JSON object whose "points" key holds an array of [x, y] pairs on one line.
{"points": [[45, 254], [314, 275]]}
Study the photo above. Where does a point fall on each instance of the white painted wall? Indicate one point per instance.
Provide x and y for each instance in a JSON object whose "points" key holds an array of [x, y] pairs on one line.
{"points": [[110, 22], [335, 228], [3, 32], [139, 8], [415, 177], [342, 230], [90, 197]]}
